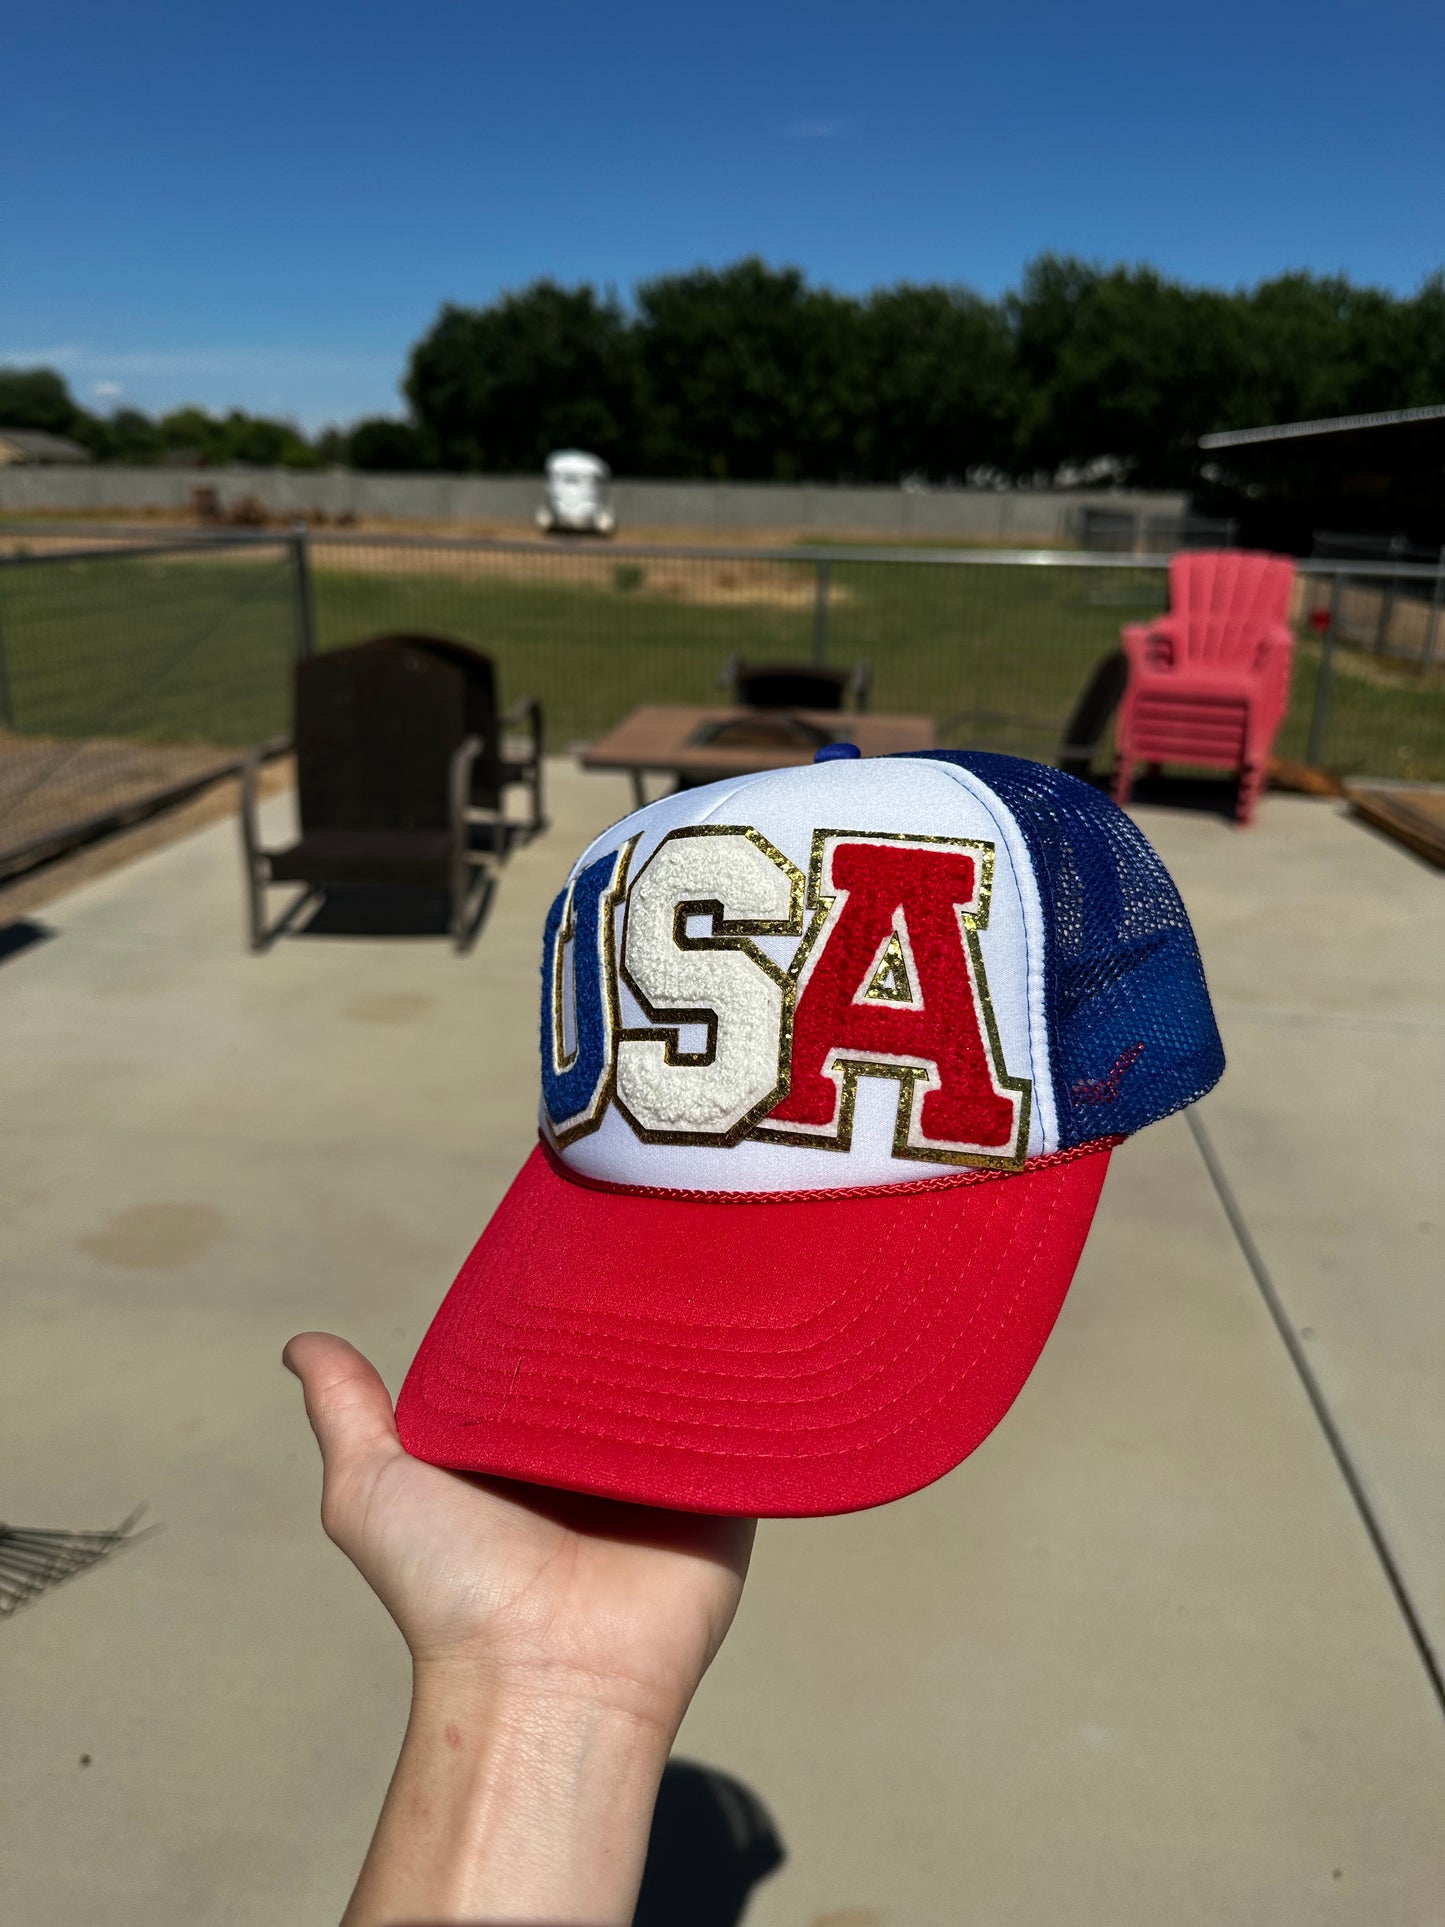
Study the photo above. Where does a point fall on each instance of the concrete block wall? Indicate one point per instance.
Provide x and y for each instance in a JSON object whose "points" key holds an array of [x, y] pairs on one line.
{"points": [[1024, 516]]}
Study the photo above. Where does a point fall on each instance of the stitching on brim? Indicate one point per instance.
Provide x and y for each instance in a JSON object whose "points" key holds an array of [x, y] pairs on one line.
{"points": [[793, 1454], [910, 1187]]}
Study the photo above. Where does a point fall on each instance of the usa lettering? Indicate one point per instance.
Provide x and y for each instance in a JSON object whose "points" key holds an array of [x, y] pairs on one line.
{"points": [[886, 980]]}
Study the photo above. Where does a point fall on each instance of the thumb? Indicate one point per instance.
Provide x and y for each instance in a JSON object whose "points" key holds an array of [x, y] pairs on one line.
{"points": [[348, 1405]]}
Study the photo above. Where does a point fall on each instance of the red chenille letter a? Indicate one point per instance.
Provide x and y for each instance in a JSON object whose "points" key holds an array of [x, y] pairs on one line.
{"points": [[891, 986]]}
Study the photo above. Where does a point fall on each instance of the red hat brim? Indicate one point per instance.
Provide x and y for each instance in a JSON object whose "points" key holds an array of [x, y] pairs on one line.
{"points": [[780, 1356]]}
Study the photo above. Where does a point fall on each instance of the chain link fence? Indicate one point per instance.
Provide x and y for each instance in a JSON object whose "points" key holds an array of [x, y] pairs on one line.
{"points": [[131, 671], [134, 675], [994, 647]]}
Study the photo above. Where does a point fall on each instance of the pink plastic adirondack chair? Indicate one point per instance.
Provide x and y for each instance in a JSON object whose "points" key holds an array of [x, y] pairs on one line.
{"points": [[1209, 682]]}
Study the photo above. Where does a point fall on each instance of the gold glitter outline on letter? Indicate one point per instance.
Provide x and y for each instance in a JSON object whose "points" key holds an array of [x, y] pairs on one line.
{"points": [[726, 934], [612, 898], [847, 1071]]}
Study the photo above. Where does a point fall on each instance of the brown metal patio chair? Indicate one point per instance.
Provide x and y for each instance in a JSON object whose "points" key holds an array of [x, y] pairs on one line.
{"points": [[780, 685], [385, 775], [504, 761]]}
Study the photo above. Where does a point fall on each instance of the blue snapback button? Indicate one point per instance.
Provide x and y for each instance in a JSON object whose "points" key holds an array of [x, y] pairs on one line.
{"points": [[836, 753]]}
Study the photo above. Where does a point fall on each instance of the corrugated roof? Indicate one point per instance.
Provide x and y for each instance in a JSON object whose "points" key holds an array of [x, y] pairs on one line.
{"points": [[1330, 425], [42, 446]]}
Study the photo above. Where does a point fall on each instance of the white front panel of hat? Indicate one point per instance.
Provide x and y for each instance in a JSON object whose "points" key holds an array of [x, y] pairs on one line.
{"points": [[716, 1017]]}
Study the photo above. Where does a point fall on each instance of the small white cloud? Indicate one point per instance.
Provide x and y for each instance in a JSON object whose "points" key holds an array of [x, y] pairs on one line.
{"points": [[258, 364], [814, 130], [305, 383], [64, 356]]}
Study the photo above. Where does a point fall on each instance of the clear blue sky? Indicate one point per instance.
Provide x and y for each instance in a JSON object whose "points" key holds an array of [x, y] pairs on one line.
{"points": [[263, 205]]}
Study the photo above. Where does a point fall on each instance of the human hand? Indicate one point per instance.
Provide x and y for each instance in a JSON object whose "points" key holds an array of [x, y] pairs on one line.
{"points": [[535, 1594]]}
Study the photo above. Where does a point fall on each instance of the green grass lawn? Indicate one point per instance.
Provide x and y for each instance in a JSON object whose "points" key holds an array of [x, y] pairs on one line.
{"points": [[161, 650], [997, 656], [196, 649]]}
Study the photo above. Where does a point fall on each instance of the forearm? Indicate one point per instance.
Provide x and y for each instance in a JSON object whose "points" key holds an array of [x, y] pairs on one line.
{"points": [[512, 1807]]}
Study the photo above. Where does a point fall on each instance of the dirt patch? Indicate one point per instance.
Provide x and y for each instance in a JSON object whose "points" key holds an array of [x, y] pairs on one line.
{"points": [[395, 1008], [156, 1237], [698, 581], [101, 529]]}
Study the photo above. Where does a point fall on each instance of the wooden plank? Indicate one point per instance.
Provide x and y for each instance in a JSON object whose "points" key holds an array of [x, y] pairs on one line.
{"points": [[1413, 813], [57, 796], [1286, 774]]}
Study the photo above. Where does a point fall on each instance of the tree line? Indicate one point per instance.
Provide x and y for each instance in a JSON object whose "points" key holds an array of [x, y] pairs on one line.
{"points": [[40, 398], [749, 372]]}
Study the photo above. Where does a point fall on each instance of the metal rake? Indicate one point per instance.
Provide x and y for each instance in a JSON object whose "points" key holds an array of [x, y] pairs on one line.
{"points": [[33, 1558]]}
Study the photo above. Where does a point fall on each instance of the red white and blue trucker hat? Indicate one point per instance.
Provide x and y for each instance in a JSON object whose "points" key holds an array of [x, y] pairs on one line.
{"points": [[833, 1060]]}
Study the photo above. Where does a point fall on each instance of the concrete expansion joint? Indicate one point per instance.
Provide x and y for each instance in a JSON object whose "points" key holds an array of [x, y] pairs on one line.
{"points": [[1314, 1392]]}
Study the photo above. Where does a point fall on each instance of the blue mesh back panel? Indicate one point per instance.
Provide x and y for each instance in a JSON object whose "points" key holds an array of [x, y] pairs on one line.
{"points": [[1131, 1033]]}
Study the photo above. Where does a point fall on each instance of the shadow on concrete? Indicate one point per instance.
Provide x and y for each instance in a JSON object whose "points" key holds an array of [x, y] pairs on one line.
{"points": [[21, 935], [1206, 795], [378, 910], [712, 1841], [389, 910], [1203, 795]]}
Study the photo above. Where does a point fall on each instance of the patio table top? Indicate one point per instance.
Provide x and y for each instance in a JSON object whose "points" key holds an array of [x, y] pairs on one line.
{"points": [[706, 742]]}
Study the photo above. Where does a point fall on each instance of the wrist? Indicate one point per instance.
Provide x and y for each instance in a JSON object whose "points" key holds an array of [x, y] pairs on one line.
{"points": [[551, 1697], [516, 1799], [481, 1708]]}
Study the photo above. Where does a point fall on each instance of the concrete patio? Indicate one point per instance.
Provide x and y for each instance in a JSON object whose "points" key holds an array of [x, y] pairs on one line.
{"points": [[1136, 1663]]}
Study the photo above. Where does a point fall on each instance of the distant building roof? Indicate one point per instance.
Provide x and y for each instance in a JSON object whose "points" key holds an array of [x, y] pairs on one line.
{"points": [[38, 445], [1329, 425]]}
